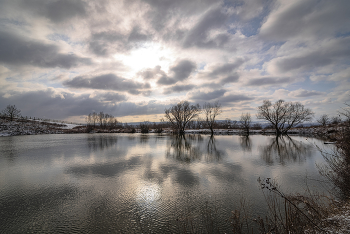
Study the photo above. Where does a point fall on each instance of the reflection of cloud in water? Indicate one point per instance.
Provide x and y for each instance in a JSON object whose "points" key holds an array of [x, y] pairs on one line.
{"points": [[284, 149], [107, 169], [186, 178]]}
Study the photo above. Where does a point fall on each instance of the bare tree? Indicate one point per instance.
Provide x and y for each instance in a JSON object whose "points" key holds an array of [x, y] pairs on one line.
{"points": [[11, 112], [180, 114], [336, 120], [346, 113], [284, 115], [323, 120], [211, 111], [245, 122]]}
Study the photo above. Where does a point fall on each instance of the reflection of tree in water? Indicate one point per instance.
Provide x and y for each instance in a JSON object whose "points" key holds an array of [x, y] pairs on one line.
{"points": [[10, 148], [181, 148], [100, 142], [246, 143], [213, 154], [144, 138], [285, 150]]}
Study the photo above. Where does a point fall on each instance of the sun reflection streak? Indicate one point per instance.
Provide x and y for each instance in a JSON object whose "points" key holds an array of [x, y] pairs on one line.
{"points": [[148, 195]]}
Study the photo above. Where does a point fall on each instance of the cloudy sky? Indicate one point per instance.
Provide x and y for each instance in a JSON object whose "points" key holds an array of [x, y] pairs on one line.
{"points": [[64, 59]]}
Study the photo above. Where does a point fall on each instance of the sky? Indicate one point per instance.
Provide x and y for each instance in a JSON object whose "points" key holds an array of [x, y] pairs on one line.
{"points": [[64, 59]]}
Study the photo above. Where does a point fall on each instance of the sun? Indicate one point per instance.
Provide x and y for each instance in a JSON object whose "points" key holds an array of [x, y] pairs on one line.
{"points": [[148, 55]]}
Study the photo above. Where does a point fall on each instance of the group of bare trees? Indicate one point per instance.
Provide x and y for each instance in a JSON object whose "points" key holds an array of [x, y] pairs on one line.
{"points": [[281, 115], [181, 115], [102, 120]]}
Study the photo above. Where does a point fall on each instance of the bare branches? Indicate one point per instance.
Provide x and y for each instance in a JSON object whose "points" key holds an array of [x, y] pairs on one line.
{"points": [[11, 112], [284, 115], [245, 121], [211, 111], [323, 120], [181, 114]]}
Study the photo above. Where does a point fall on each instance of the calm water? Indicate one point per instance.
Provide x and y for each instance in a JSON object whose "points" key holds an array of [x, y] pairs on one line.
{"points": [[114, 183]]}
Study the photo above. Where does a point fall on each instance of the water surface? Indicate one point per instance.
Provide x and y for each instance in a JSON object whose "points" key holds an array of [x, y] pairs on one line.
{"points": [[132, 183]]}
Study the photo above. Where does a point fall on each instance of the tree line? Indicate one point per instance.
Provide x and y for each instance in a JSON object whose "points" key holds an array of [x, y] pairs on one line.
{"points": [[281, 115], [102, 120]]}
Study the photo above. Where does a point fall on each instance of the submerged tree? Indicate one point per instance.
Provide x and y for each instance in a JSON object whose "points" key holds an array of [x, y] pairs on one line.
{"points": [[11, 112], [284, 115], [211, 111], [245, 122], [181, 114]]}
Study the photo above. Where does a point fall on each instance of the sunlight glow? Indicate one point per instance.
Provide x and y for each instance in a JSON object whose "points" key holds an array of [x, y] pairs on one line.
{"points": [[147, 56]]}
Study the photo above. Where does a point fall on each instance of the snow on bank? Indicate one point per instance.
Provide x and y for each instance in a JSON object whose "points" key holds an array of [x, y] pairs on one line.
{"points": [[32, 127]]}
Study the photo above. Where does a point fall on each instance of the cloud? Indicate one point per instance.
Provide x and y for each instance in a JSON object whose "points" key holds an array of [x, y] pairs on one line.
{"points": [[232, 98], [16, 50], [271, 81], [226, 72], [327, 53], [110, 41], [56, 11], [110, 97], [207, 96], [106, 82], [179, 72], [305, 93], [305, 18], [53, 104], [225, 69], [199, 35], [230, 79], [178, 88], [151, 73]]}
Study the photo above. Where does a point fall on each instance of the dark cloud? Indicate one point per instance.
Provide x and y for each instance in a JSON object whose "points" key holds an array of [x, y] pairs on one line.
{"points": [[224, 69], [230, 79], [178, 88], [225, 72], [58, 10], [137, 36], [111, 97], [231, 98], [207, 96], [198, 36], [307, 18], [50, 104], [180, 72], [106, 82], [306, 93], [162, 11], [338, 50], [269, 81], [105, 42], [18, 51], [151, 73]]}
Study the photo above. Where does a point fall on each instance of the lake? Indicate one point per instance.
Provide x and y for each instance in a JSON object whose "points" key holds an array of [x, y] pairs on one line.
{"points": [[133, 183]]}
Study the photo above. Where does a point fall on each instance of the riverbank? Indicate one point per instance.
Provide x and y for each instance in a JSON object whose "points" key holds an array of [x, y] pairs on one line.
{"points": [[35, 127]]}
